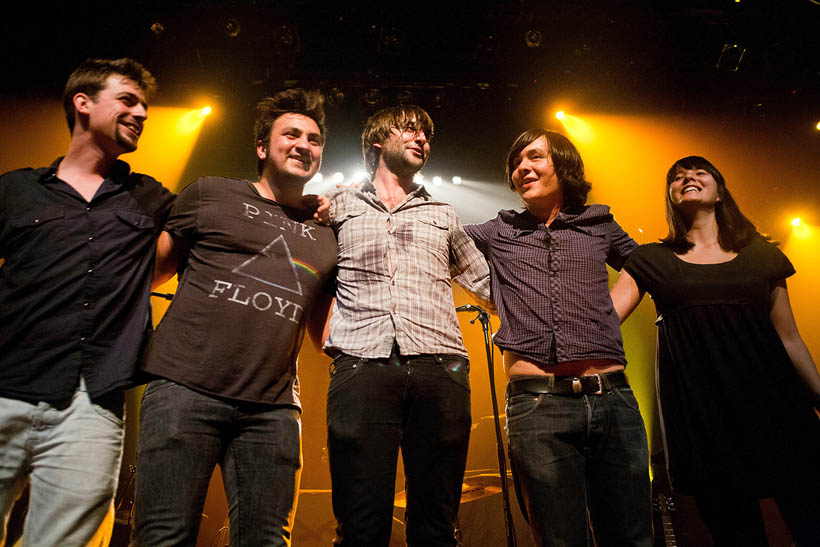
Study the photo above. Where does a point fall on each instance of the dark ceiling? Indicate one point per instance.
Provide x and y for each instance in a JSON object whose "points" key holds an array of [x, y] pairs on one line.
{"points": [[618, 53], [467, 62]]}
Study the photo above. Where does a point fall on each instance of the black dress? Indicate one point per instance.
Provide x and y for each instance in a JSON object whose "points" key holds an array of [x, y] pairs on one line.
{"points": [[734, 411]]}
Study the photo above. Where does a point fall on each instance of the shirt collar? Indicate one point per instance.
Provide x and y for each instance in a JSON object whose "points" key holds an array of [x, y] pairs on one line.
{"points": [[418, 190], [526, 220], [118, 173]]}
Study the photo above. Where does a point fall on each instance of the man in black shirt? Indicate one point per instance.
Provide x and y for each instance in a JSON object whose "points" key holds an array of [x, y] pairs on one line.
{"points": [[253, 268], [77, 240]]}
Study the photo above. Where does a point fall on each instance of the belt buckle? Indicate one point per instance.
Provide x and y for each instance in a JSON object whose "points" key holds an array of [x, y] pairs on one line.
{"points": [[577, 387], [600, 384]]}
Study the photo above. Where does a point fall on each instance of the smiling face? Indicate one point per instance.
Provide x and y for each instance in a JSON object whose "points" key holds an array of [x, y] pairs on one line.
{"points": [[533, 176], [293, 151], [117, 114], [693, 185]]}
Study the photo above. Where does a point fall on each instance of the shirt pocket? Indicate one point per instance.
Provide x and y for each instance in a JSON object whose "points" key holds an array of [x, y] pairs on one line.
{"points": [[42, 228], [32, 241], [135, 220], [131, 233], [431, 233], [35, 219]]}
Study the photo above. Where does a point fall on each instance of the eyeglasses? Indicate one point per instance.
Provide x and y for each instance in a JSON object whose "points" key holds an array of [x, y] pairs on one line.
{"points": [[411, 129]]}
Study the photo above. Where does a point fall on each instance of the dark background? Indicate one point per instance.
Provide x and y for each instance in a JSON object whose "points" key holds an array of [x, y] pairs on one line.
{"points": [[469, 65], [466, 62]]}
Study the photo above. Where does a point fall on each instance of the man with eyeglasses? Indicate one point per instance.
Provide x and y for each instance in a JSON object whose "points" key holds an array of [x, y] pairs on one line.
{"points": [[400, 371]]}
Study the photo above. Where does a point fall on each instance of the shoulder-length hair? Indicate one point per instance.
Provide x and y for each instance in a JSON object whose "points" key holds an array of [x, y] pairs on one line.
{"points": [[735, 231], [378, 126], [567, 162]]}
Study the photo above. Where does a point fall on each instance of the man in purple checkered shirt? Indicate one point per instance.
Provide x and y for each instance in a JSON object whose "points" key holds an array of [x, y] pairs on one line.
{"points": [[577, 441], [400, 373]]}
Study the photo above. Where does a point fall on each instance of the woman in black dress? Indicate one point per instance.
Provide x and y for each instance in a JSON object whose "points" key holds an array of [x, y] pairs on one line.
{"points": [[735, 381]]}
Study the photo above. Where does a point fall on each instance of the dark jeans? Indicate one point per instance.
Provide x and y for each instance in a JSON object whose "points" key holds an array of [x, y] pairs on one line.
{"points": [[577, 458], [183, 435], [418, 403]]}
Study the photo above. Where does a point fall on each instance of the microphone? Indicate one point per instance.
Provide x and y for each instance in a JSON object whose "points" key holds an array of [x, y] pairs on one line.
{"points": [[468, 307]]}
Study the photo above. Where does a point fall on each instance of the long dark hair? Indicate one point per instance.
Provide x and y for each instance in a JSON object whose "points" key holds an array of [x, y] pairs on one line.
{"points": [[567, 162], [734, 229]]}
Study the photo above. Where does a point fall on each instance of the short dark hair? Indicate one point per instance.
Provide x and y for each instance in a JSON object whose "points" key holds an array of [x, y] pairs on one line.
{"points": [[90, 78], [735, 231], [378, 127], [567, 162], [289, 101]]}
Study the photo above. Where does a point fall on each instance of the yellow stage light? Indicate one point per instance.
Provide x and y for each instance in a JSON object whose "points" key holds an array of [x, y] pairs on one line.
{"points": [[818, 126], [579, 130], [801, 229], [192, 120]]}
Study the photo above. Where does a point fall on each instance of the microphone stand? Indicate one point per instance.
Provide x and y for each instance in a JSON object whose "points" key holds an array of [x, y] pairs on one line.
{"points": [[484, 318]]}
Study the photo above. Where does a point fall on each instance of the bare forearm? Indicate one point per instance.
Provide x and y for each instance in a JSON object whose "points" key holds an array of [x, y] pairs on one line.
{"points": [[786, 327], [803, 362]]}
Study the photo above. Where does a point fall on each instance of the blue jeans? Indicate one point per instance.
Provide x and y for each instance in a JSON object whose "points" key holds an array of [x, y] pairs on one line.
{"points": [[582, 458], [70, 454], [418, 403], [183, 435]]}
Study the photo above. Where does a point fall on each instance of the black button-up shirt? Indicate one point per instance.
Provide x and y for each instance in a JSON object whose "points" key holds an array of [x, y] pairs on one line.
{"points": [[75, 282], [550, 283]]}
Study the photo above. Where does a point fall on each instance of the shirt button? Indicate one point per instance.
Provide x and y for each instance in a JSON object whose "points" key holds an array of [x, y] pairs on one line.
{"points": [[88, 208], [85, 304], [90, 270], [91, 238], [82, 339], [36, 220]]}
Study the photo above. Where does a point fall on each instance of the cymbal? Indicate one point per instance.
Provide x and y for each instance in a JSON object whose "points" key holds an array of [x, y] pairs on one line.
{"points": [[473, 488]]}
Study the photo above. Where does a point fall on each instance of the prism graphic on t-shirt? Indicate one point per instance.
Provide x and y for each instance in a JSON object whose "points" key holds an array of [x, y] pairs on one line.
{"points": [[257, 268]]}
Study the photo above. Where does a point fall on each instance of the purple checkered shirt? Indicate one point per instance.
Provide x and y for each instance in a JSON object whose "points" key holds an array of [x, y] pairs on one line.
{"points": [[550, 283], [394, 272]]}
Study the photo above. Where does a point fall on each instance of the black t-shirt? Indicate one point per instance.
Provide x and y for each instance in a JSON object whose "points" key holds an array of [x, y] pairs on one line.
{"points": [[254, 268]]}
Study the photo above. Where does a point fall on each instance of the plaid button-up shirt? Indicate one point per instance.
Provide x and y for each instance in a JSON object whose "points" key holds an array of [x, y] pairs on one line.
{"points": [[395, 268]]}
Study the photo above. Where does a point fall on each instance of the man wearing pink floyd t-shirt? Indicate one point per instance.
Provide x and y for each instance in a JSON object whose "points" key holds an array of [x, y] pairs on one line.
{"points": [[255, 272]]}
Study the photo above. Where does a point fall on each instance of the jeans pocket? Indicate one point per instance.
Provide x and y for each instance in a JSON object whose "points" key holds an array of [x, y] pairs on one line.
{"points": [[625, 395], [343, 369], [110, 406], [154, 386], [457, 369], [522, 405]]}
